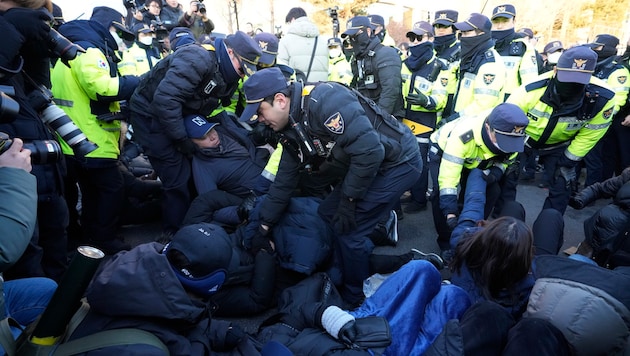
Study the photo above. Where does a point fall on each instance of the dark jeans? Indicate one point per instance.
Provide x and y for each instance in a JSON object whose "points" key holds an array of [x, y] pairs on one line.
{"points": [[420, 187]]}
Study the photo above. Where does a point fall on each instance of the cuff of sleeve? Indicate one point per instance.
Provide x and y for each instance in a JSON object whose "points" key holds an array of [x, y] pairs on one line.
{"points": [[333, 319]]}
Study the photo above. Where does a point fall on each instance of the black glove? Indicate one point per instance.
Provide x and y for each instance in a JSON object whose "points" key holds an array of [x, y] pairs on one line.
{"points": [[417, 98], [246, 206], [186, 147], [348, 333], [344, 221], [568, 173], [32, 24], [576, 203], [451, 222], [233, 336], [262, 134], [11, 44], [260, 241], [492, 174]]}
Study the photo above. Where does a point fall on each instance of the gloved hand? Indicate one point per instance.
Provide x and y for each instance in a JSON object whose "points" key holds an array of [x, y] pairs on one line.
{"points": [[262, 134], [417, 98], [32, 24], [186, 147], [576, 203], [348, 333], [260, 241], [492, 174], [568, 173], [246, 206], [451, 222], [11, 43], [233, 336], [344, 220]]}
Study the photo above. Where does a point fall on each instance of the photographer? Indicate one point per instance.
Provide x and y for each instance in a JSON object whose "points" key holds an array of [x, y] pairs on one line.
{"points": [[25, 52], [172, 11], [148, 14], [89, 91], [196, 20]]}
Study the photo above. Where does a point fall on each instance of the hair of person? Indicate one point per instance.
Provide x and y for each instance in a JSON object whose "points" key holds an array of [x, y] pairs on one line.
{"points": [[498, 256], [286, 92], [295, 13]]}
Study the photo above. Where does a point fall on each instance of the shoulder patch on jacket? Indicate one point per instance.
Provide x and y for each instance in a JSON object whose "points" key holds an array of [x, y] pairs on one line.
{"points": [[622, 79], [335, 123], [489, 54], [466, 136], [488, 78]]}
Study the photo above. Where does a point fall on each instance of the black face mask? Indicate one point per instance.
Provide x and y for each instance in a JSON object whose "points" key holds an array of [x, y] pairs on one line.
{"points": [[471, 45], [360, 42], [605, 53], [569, 92]]}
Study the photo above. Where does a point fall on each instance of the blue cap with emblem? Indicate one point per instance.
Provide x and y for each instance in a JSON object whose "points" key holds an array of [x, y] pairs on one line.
{"points": [[445, 17], [356, 24], [576, 65], [506, 11], [197, 126], [260, 85], [508, 122], [247, 50], [268, 43]]}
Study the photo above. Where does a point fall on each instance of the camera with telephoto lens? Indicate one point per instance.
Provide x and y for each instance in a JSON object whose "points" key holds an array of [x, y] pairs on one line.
{"points": [[41, 100], [200, 6], [62, 47], [160, 30], [42, 151]]}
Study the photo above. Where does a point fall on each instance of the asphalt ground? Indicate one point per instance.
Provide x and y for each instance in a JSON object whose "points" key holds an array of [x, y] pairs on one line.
{"points": [[416, 231]]}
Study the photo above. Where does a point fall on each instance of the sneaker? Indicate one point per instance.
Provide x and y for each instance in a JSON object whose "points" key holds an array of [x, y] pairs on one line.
{"points": [[431, 257], [415, 207], [391, 227]]}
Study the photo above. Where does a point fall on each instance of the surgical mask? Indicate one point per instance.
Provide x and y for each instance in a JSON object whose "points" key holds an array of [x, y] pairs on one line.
{"points": [[117, 39], [334, 52], [146, 40], [553, 57]]}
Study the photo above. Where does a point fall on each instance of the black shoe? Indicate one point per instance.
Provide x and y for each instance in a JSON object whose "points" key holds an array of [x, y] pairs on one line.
{"points": [[406, 200], [399, 214], [415, 207], [433, 258]]}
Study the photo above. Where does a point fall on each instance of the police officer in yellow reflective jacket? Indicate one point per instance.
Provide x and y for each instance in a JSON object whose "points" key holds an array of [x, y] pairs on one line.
{"points": [[569, 111], [487, 141], [481, 72], [89, 90], [142, 55], [518, 55], [448, 50], [424, 89], [339, 69]]}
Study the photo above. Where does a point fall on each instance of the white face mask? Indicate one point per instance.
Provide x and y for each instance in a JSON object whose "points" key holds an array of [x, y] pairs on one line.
{"points": [[146, 40], [553, 57], [334, 52], [117, 38]]}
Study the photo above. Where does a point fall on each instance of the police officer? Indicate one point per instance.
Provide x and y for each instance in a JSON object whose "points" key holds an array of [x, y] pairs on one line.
{"points": [[518, 55], [373, 156], [193, 79], [481, 74], [376, 68], [569, 111], [142, 55], [339, 69], [488, 141], [616, 76], [448, 50], [89, 91], [424, 87]]}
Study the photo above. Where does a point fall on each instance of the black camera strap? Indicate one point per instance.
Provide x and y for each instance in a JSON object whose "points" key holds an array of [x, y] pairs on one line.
{"points": [[310, 64]]}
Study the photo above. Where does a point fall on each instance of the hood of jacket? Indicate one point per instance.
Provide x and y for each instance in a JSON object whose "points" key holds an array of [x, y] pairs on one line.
{"points": [[303, 27], [89, 33], [144, 280]]}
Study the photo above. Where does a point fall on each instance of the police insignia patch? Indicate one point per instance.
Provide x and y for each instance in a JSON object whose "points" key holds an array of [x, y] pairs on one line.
{"points": [[488, 78], [101, 64], [607, 114], [622, 79], [335, 123], [534, 61], [444, 81]]}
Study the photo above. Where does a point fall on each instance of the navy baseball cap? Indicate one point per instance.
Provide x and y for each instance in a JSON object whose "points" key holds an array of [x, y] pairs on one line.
{"points": [[142, 28], [526, 32], [552, 47], [208, 257], [355, 24], [181, 36], [376, 20], [197, 126], [508, 122], [334, 41], [421, 28], [506, 11], [445, 17], [475, 21], [260, 85], [576, 65], [605, 40], [268, 43], [246, 49]]}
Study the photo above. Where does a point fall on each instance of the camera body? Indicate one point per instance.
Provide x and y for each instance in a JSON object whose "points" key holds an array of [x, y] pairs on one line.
{"points": [[334, 15], [161, 32], [201, 7], [62, 47]]}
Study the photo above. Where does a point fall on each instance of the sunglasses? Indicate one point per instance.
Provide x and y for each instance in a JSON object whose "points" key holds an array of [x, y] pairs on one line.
{"points": [[413, 37], [437, 25]]}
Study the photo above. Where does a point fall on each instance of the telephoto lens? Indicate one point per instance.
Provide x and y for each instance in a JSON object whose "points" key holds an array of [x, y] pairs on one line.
{"points": [[42, 151], [68, 130], [62, 47]]}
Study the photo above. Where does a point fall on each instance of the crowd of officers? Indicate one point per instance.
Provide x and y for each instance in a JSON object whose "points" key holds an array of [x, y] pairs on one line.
{"points": [[472, 93]]}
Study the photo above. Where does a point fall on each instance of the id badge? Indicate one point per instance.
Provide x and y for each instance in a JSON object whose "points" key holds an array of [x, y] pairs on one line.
{"points": [[369, 79]]}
